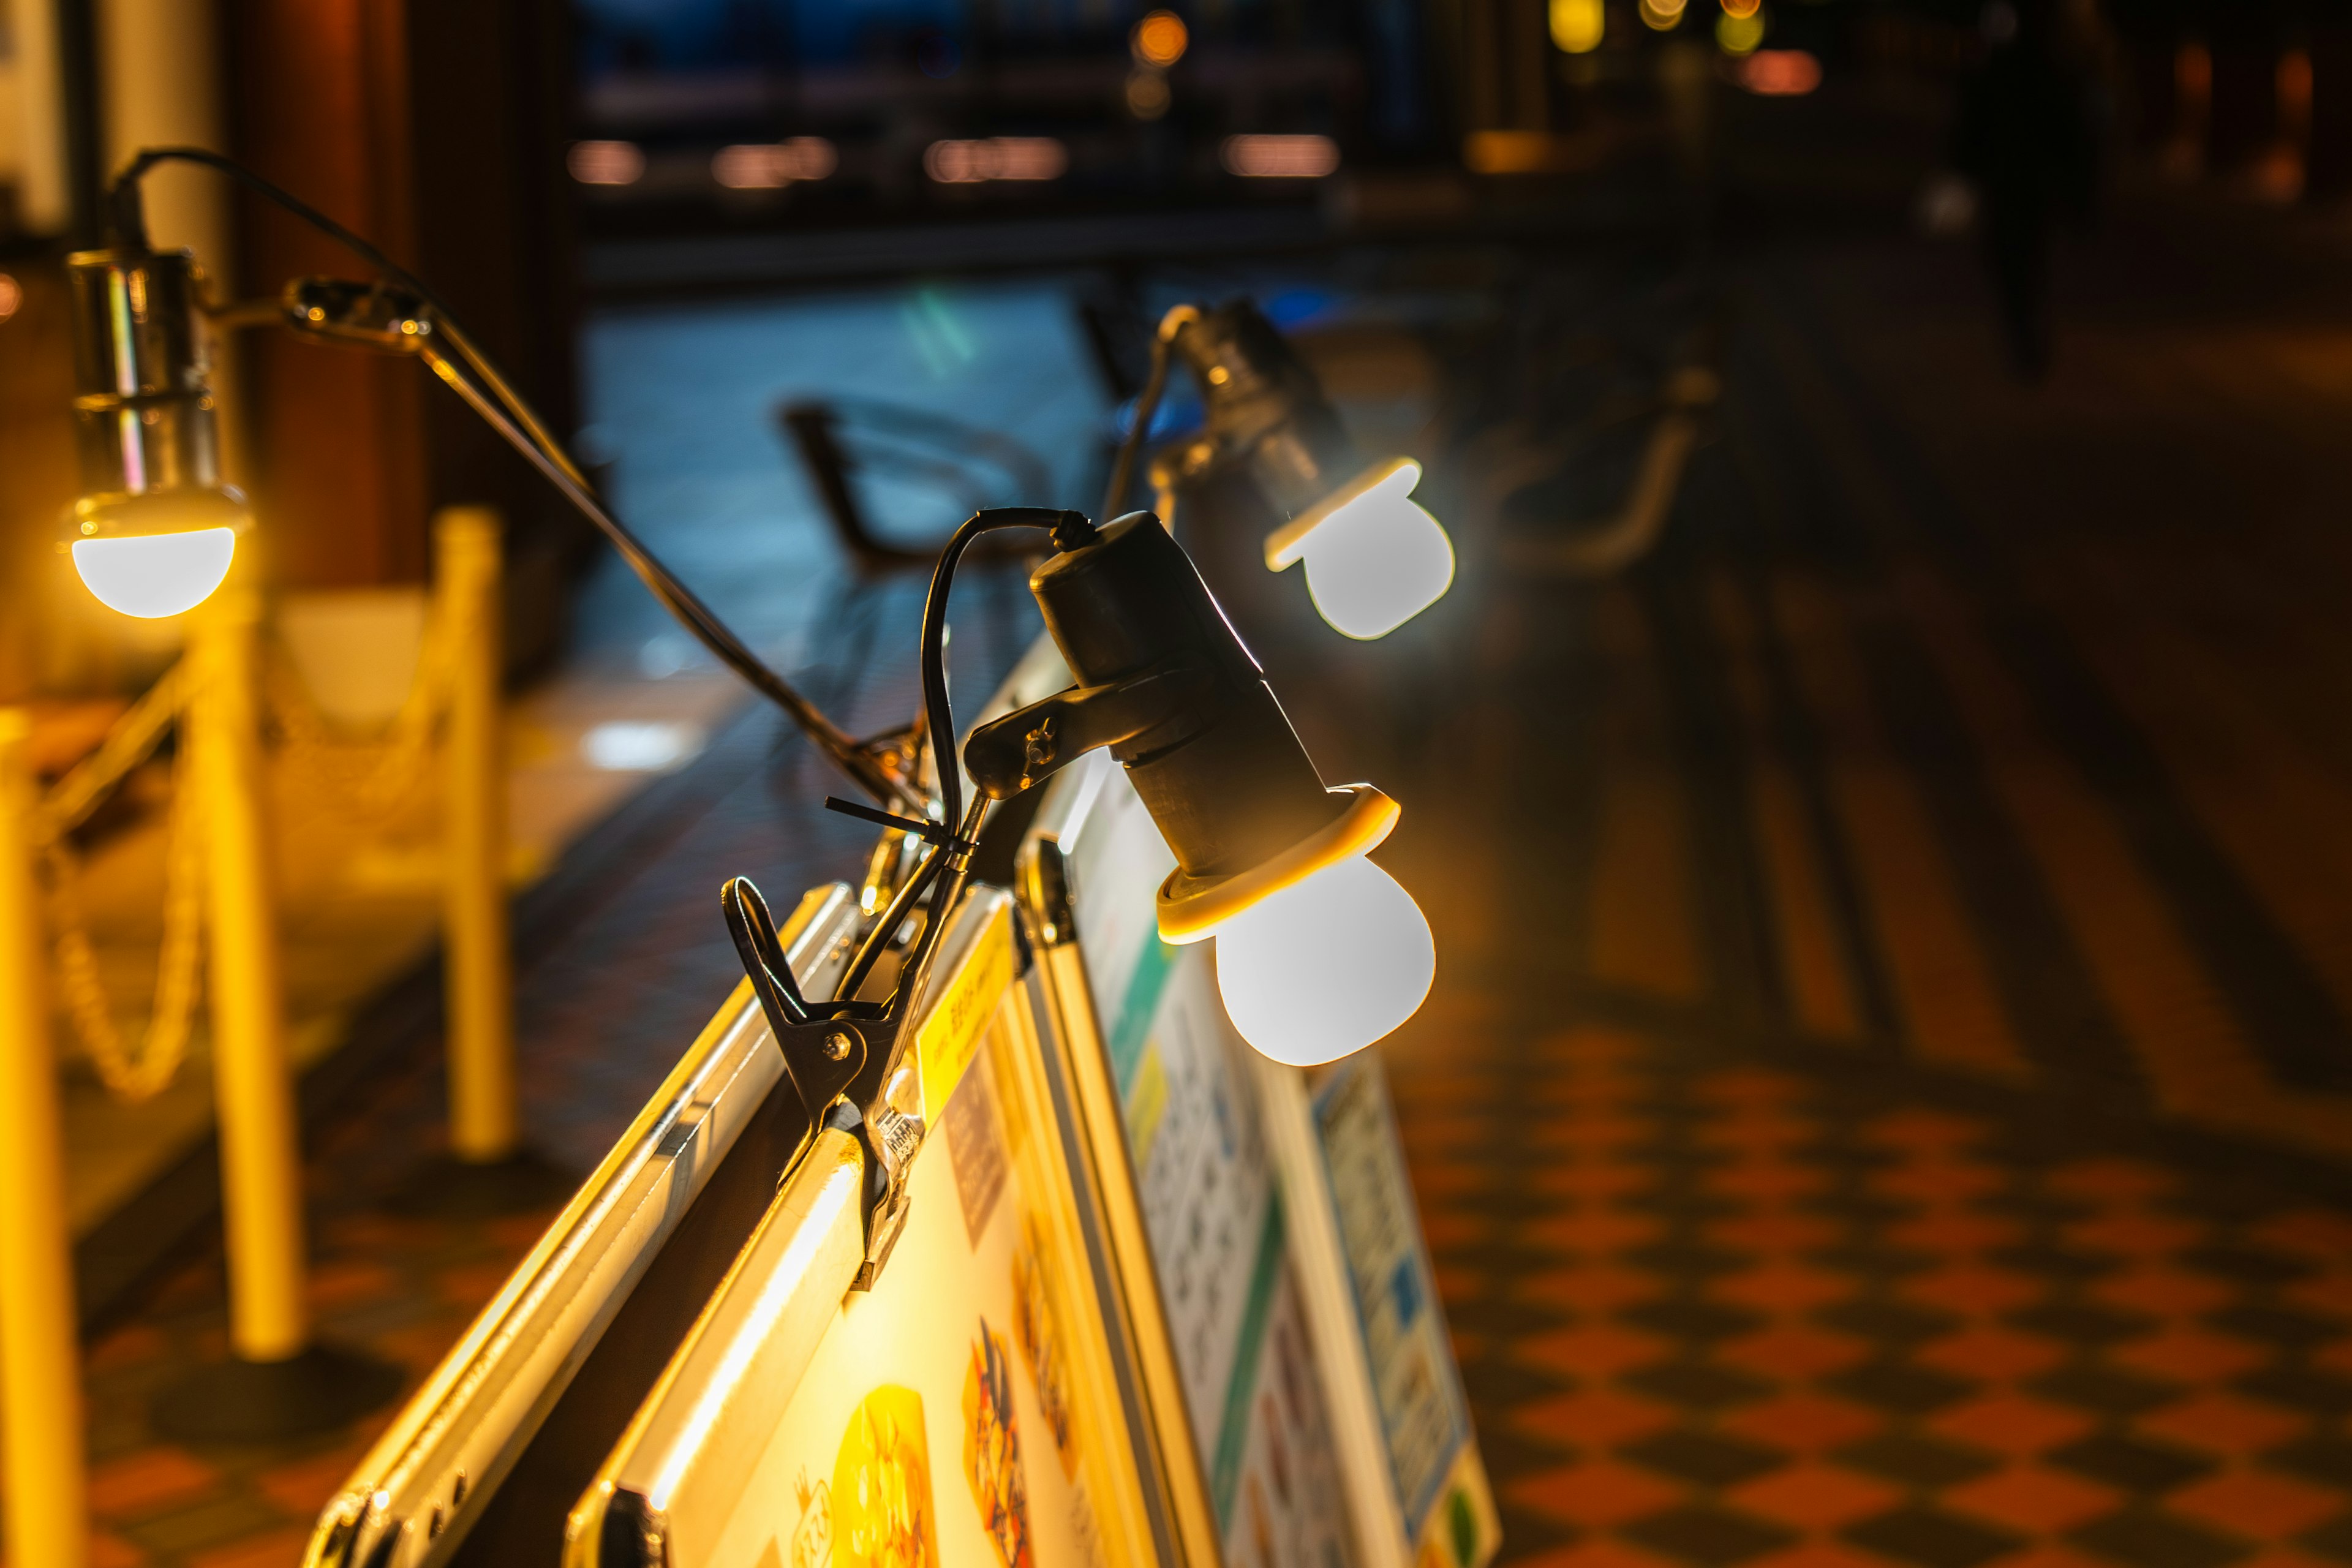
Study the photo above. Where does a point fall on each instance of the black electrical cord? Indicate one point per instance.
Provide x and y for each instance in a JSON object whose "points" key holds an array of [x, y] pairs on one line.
{"points": [[680, 601], [877, 941], [1069, 529], [127, 220], [496, 401]]}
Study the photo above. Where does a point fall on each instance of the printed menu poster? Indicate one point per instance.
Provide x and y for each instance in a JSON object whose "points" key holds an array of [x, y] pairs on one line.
{"points": [[1425, 1417], [942, 1422]]}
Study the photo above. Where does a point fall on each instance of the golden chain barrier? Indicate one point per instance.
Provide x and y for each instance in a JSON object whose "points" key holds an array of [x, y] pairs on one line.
{"points": [[131, 1074], [369, 779], [321, 760], [141, 1074]]}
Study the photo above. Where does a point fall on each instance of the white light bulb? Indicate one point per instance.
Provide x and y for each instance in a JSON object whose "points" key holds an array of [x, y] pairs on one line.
{"points": [[1325, 966], [1378, 561], [152, 575]]}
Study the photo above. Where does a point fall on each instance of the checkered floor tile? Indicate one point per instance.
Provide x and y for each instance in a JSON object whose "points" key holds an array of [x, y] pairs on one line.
{"points": [[1718, 1314]]}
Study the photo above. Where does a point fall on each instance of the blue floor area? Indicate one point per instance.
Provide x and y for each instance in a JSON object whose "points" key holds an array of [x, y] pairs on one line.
{"points": [[682, 399]]}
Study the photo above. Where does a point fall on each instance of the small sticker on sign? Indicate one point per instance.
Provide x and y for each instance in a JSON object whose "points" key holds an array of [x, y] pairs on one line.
{"points": [[952, 1031]]}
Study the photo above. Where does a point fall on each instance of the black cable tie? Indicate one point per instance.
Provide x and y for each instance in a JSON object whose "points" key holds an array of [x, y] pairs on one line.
{"points": [[928, 832]]}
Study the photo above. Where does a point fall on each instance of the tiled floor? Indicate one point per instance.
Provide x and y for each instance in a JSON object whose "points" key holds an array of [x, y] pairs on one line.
{"points": [[1714, 1312]]}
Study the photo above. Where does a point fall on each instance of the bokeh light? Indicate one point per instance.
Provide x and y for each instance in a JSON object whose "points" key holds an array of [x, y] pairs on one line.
{"points": [[1160, 39], [997, 158], [1740, 33], [1579, 26], [1280, 157], [1780, 73], [606, 162], [759, 166], [1147, 97]]}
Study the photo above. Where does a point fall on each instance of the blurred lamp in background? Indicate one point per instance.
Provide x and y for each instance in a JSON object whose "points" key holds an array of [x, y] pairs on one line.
{"points": [[1374, 557], [1319, 951], [156, 529]]}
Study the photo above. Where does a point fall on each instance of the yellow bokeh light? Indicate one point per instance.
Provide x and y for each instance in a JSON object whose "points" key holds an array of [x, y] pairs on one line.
{"points": [[1662, 16], [1740, 10], [1738, 33], [1160, 39], [1577, 25]]}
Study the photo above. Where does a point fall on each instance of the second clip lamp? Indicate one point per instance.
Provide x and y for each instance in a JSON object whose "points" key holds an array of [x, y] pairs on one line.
{"points": [[1373, 557]]}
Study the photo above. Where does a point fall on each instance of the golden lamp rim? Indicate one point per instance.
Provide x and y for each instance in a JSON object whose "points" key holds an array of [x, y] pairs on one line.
{"points": [[1189, 917], [1288, 543], [126, 515]]}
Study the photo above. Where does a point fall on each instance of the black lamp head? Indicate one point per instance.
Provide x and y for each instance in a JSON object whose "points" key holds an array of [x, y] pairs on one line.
{"points": [[1374, 558], [1262, 409], [1167, 685]]}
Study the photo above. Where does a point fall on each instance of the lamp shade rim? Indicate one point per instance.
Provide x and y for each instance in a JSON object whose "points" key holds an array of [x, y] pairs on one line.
{"points": [[179, 509], [1288, 543], [1190, 909]]}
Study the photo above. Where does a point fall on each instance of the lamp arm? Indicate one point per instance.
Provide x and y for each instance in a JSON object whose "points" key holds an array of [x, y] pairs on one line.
{"points": [[525, 415], [1029, 745], [1147, 404], [679, 600], [496, 401]]}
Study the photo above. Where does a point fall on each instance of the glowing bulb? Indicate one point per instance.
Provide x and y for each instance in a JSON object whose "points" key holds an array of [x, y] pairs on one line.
{"points": [[1325, 966], [152, 575], [1377, 560]]}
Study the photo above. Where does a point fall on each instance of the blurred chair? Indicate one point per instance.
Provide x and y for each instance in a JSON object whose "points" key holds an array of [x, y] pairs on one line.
{"points": [[838, 437], [973, 466]]}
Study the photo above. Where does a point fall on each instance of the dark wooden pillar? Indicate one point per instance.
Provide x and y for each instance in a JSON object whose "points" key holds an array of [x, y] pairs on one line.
{"points": [[320, 90], [434, 128], [490, 87]]}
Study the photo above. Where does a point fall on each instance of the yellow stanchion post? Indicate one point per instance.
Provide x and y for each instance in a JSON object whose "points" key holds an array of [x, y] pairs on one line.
{"points": [[483, 1124], [277, 1382], [489, 1170], [261, 1167], [40, 1353]]}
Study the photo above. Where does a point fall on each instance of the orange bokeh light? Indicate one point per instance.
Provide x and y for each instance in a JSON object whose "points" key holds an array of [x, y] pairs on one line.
{"points": [[1780, 73], [1160, 39]]}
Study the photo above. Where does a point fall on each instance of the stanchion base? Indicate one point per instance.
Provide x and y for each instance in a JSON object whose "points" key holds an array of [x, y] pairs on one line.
{"points": [[447, 1187], [238, 1401]]}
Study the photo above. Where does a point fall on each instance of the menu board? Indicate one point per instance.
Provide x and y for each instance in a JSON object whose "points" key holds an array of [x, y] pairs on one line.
{"points": [[1424, 1419], [937, 1423], [1212, 1210], [964, 1412], [1318, 1379], [1421, 1491]]}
